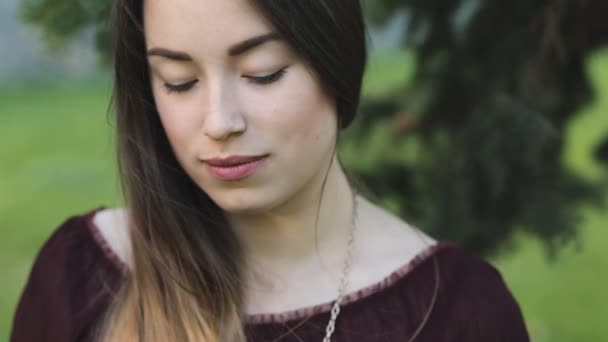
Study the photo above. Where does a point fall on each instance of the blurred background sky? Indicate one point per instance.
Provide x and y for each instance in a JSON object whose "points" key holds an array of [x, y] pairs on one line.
{"points": [[23, 57]]}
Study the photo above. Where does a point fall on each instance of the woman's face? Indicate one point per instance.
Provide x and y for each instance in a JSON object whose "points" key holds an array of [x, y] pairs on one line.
{"points": [[218, 99]]}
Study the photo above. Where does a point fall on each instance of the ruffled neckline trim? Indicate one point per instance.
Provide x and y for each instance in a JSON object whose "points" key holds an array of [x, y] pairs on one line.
{"points": [[300, 313]]}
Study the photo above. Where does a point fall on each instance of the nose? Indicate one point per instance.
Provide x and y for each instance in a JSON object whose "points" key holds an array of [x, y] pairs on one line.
{"points": [[222, 117]]}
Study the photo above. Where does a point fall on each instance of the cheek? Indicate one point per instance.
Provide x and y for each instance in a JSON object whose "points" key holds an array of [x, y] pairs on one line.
{"points": [[179, 126], [302, 114]]}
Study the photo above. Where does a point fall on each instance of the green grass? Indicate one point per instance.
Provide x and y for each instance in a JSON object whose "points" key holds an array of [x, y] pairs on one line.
{"points": [[57, 159], [567, 301]]}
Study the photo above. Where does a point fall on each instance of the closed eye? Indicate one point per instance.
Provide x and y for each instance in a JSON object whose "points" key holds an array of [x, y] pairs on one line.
{"points": [[260, 80], [263, 80], [179, 88]]}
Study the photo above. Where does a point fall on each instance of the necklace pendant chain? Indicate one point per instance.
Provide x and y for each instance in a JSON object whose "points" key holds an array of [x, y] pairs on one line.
{"points": [[335, 310]]}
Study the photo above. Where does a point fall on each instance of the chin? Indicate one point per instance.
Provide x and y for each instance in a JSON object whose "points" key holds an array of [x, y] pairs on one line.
{"points": [[242, 201], [240, 208], [251, 198]]}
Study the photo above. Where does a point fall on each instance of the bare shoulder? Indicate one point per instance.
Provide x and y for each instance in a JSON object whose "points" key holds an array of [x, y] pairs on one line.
{"points": [[389, 237], [113, 226]]}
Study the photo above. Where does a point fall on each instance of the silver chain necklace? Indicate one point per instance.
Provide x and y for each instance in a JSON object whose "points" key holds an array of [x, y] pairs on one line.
{"points": [[335, 310]]}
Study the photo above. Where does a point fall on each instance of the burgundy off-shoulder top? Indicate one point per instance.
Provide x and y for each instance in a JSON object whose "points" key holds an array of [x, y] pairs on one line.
{"points": [[75, 273]]}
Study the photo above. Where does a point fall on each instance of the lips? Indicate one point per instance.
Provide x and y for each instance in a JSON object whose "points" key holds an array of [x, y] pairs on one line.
{"points": [[232, 160], [235, 167]]}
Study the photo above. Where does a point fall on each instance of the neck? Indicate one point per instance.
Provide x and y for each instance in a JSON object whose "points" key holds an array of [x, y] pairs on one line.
{"points": [[287, 236]]}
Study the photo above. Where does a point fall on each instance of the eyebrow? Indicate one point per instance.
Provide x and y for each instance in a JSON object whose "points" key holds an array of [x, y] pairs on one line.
{"points": [[233, 51]]}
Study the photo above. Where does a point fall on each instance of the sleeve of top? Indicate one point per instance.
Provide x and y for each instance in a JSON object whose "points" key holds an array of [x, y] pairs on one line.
{"points": [[64, 291], [486, 309]]}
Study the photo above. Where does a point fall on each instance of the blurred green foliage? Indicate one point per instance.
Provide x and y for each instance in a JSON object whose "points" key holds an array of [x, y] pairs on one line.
{"points": [[63, 20], [494, 89]]}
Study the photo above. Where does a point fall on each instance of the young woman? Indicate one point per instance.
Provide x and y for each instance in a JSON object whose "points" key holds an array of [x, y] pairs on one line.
{"points": [[240, 223]]}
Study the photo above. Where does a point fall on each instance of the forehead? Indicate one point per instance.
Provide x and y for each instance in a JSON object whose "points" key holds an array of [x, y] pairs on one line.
{"points": [[212, 24]]}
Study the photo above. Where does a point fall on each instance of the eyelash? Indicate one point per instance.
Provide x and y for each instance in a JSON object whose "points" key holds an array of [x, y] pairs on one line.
{"points": [[262, 80]]}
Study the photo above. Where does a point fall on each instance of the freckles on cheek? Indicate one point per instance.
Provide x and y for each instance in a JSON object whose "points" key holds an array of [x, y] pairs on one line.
{"points": [[310, 126], [301, 112], [297, 117]]}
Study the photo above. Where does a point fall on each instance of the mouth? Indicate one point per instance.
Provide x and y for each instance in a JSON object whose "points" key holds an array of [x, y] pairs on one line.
{"points": [[234, 168], [232, 160]]}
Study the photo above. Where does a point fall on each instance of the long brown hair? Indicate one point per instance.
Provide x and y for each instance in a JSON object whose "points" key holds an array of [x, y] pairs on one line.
{"points": [[185, 283]]}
